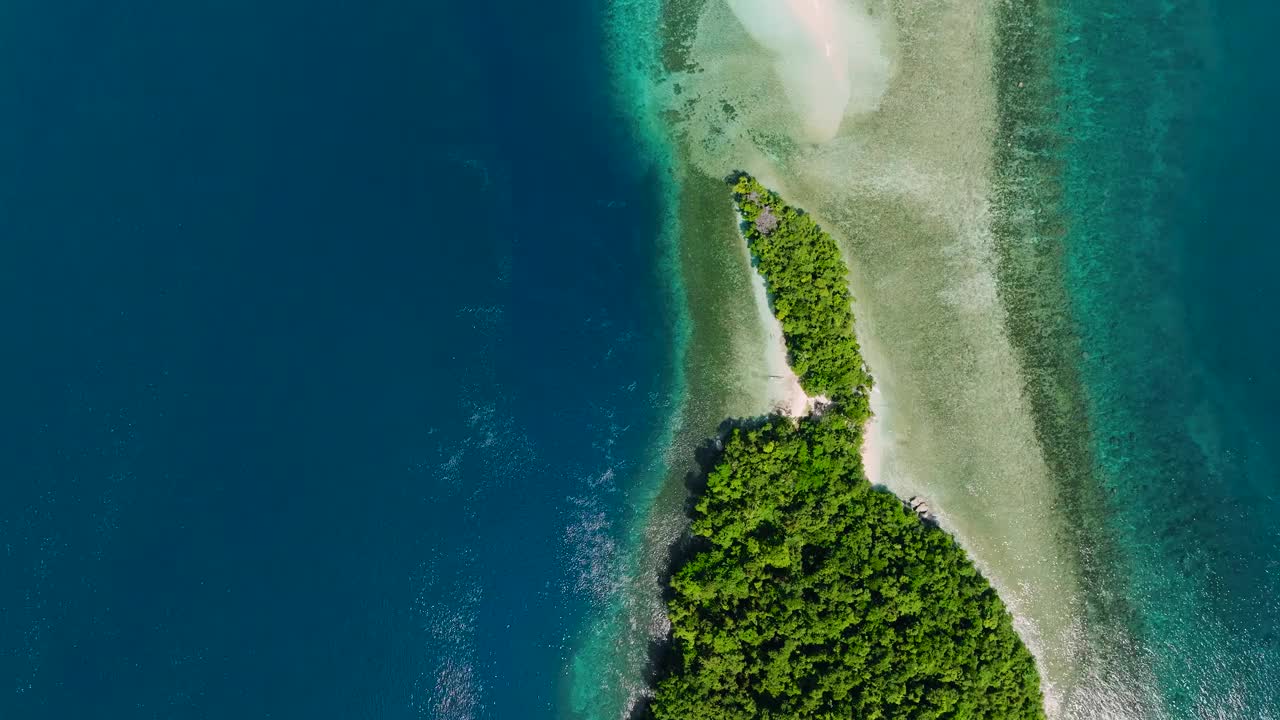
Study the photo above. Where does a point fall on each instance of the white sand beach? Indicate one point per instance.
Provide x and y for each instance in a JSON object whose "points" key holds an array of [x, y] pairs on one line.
{"points": [[784, 391], [873, 438]]}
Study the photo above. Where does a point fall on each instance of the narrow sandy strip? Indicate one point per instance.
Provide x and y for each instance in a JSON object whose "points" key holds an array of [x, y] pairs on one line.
{"points": [[873, 438], [784, 391]]}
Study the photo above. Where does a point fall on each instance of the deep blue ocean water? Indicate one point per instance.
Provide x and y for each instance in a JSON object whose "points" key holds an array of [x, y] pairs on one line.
{"points": [[335, 344]]}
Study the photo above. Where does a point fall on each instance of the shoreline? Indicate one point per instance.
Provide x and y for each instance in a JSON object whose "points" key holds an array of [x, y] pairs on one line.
{"points": [[875, 437], [782, 385]]}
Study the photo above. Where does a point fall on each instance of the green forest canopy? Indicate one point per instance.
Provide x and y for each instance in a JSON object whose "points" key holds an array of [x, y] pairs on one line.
{"points": [[812, 595], [809, 287]]}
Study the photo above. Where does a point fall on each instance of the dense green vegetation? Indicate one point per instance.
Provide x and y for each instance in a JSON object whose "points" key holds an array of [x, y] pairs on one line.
{"points": [[820, 597], [809, 594], [809, 285]]}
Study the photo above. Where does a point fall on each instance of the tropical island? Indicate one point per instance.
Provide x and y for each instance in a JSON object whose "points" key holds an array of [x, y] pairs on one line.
{"points": [[807, 593]]}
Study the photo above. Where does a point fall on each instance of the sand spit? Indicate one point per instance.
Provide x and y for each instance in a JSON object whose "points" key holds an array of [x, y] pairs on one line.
{"points": [[874, 437]]}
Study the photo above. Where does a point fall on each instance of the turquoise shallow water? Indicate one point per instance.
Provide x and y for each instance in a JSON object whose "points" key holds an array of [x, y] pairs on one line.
{"points": [[1169, 112]]}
